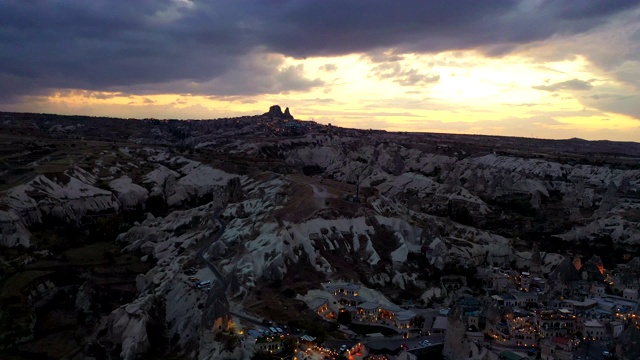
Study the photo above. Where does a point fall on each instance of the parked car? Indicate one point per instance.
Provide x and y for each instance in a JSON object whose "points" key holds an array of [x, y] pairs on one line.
{"points": [[205, 283]]}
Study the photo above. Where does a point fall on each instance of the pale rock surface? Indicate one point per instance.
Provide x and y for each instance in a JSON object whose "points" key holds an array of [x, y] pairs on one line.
{"points": [[129, 194]]}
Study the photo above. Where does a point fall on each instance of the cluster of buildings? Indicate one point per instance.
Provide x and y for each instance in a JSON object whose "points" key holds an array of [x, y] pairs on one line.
{"points": [[347, 297], [557, 316], [554, 316], [575, 310]]}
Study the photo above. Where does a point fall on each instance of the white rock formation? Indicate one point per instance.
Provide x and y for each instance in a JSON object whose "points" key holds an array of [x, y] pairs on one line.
{"points": [[129, 194]]}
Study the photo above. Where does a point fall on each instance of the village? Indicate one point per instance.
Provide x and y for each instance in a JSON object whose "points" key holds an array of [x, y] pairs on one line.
{"points": [[577, 311]]}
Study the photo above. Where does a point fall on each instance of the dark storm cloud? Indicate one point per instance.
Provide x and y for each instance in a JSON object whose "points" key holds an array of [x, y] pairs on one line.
{"points": [[333, 27], [573, 84], [117, 45], [252, 74]]}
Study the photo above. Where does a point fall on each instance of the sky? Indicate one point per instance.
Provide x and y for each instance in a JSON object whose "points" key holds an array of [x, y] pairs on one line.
{"points": [[533, 68]]}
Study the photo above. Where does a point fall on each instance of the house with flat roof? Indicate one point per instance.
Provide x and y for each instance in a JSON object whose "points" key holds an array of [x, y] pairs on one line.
{"points": [[389, 311], [630, 294], [555, 323], [594, 329], [321, 308], [269, 344], [440, 325], [584, 305], [509, 300], [368, 311], [523, 299], [347, 294], [597, 289], [556, 348], [564, 343], [617, 327], [403, 320]]}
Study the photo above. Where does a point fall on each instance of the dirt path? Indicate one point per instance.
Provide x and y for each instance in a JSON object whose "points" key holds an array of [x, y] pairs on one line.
{"points": [[320, 195]]}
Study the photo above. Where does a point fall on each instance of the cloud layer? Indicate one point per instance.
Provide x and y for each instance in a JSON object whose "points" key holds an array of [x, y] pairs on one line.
{"points": [[228, 47], [573, 84]]}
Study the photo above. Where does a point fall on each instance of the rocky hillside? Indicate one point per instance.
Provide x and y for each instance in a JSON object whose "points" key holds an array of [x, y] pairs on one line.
{"points": [[268, 202]]}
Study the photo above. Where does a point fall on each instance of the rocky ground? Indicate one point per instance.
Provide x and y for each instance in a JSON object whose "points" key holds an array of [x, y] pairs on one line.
{"points": [[99, 218]]}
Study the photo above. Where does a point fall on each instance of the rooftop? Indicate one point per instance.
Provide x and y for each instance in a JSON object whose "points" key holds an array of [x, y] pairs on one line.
{"points": [[369, 305], [348, 286], [561, 340], [468, 301], [307, 338], [316, 303], [391, 307], [440, 323], [592, 323], [405, 315], [524, 295]]}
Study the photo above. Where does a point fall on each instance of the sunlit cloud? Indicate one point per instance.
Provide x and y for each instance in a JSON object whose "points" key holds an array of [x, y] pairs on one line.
{"points": [[573, 84]]}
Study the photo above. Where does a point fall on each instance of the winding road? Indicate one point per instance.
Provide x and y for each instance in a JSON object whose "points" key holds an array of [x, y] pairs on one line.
{"points": [[200, 253], [219, 291]]}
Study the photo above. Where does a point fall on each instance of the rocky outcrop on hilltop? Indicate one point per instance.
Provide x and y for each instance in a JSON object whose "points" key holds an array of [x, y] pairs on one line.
{"points": [[287, 114], [275, 112]]}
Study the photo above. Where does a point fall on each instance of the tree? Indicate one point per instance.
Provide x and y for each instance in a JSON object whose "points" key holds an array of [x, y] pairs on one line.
{"points": [[358, 171], [418, 321], [344, 318]]}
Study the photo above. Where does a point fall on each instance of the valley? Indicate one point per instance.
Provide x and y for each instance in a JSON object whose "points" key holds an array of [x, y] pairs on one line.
{"points": [[102, 218]]}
